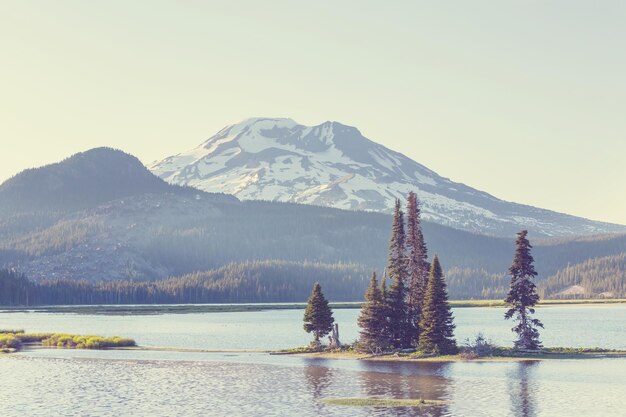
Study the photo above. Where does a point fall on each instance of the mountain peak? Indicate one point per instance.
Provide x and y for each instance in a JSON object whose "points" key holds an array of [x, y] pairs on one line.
{"points": [[256, 124], [332, 164], [271, 120], [83, 180]]}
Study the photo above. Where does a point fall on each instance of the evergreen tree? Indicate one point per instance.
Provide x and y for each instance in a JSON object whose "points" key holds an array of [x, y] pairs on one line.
{"points": [[523, 295], [318, 317], [396, 268], [417, 266], [384, 294], [373, 319], [437, 326]]}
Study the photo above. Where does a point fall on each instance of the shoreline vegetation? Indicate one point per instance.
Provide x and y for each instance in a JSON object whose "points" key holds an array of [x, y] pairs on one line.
{"points": [[149, 309], [12, 341], [498, 355], [505, 355]]}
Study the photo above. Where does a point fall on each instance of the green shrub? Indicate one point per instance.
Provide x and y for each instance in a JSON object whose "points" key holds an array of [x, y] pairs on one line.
{"points": [[5, 331], [477, 348], [9, 341], [86, 342]]}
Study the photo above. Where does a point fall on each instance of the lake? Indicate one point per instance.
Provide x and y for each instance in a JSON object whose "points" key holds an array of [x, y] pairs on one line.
{"points": [[157, 383]]}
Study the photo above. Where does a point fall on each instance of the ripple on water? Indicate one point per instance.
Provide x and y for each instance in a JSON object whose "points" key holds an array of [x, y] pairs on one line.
{"points": [[43, 386]]}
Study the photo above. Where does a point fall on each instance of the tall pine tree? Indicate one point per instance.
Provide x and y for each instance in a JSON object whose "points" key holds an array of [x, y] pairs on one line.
{"points": [[396, 295], [437, 324], [417, 266], [373, 319], [318, 317], [523, 295]]}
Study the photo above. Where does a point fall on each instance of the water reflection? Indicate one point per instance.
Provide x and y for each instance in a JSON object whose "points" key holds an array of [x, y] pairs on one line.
{"points": [[408, 381], [522, 389], [44, 386], [318, 379]]}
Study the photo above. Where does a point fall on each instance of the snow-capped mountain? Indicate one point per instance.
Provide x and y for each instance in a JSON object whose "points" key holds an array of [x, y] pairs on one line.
{"points": [[334, 165]]}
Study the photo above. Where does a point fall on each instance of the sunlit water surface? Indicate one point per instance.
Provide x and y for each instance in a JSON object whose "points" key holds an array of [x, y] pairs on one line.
{"points": [[44, 382]]}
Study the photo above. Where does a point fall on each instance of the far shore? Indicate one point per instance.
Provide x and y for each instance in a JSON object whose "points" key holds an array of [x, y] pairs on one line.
{"points": [[148, 309]]}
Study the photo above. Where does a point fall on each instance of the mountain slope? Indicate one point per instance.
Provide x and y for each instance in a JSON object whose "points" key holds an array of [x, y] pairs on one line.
{"points": [[151, 236], [156, 235], [83, 180], [334, 165]]}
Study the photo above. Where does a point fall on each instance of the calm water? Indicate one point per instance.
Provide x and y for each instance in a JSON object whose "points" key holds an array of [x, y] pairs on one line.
{"points": [[126, 383]]}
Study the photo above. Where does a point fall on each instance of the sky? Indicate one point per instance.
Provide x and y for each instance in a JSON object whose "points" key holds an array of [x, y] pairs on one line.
{"points": [[523, 99]]}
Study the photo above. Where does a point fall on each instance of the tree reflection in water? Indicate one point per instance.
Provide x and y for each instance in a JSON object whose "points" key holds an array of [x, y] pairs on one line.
{"points": [[318, 379], [410, 381], [383, 380], [522, 389]]}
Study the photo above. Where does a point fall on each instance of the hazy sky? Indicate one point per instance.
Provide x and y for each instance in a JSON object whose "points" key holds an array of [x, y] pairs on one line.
{"points": [[522, 99]]}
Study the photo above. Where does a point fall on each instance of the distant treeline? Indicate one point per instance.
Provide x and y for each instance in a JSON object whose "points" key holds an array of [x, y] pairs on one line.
{"points": [[249, 282], [287, 281], [266, 281]]}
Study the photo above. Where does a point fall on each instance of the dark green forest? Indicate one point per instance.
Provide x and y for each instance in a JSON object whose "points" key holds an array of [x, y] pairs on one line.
{"points": [[261, 281], [250, 282]]}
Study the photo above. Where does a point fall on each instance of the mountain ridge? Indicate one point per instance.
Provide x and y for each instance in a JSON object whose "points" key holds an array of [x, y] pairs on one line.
{"points": [[332, 164], [85, 179]]}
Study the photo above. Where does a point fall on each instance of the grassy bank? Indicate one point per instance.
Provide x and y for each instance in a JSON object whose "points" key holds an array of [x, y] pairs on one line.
{"points": [[148, 309], [13, 342]]}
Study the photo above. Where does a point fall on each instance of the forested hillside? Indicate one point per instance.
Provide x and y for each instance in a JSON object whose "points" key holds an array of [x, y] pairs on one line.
{"points": [[84, 180], [604, 277], [249, 282], [263, 281], [158, 235], [154, 236]]}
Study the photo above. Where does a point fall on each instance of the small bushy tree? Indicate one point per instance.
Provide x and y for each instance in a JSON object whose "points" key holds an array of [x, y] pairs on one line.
{"points": [[318, 317]]}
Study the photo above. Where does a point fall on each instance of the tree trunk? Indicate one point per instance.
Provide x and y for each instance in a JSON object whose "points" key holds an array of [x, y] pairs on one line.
{"points": [[334, 338]]}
